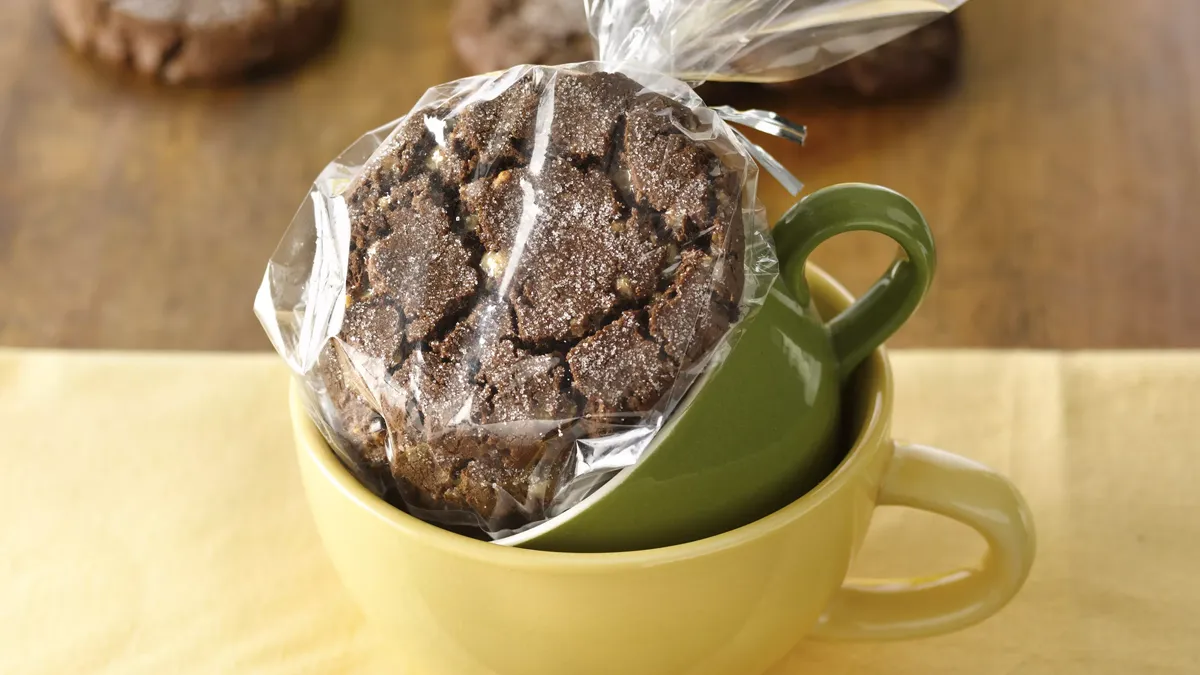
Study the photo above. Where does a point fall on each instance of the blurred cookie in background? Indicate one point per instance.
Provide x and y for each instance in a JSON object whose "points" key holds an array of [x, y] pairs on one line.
{"points": [[497, 34], [493, 35], [197, 41], [918, 61]]}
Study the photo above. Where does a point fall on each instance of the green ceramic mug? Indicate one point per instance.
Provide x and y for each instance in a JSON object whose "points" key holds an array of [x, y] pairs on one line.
{"points": [[762, 428]]}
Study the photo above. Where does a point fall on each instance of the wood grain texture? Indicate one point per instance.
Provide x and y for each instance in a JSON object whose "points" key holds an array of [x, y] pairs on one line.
{"points": [[1059, 173]]}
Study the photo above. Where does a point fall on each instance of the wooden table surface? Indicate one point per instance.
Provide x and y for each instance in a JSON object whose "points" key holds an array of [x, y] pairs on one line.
{"points": [[1061, 175]]}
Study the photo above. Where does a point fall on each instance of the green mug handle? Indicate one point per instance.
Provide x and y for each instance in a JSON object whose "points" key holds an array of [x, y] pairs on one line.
{"points": [[849, 207]]}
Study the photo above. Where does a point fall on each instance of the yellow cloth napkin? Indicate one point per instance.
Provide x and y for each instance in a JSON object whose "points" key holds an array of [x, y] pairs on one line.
{"points": [[152, 521]]}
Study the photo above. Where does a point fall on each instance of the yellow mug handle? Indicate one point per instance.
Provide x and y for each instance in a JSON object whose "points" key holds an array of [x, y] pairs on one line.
{"points": [[940, 482]]}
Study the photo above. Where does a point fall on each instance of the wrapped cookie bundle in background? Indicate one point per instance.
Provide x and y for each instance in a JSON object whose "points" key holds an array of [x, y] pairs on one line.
{"points": [[497, 300], [493, 35]]}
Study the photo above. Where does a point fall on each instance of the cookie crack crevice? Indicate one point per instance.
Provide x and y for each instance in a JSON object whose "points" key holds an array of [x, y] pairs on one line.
{"points": [[171, 53]]}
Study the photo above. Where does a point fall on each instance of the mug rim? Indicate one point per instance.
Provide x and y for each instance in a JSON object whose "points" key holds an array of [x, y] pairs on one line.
{"points": [[874, 394]]}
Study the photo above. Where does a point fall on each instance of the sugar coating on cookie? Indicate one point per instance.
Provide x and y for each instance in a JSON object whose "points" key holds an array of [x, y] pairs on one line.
{"points": [[545, 261]]}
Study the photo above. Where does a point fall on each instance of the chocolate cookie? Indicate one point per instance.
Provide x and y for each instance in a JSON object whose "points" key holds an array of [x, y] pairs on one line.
{"points": [[917, 61], [196, 40], [496, 34], [492, 35], [528, 268]]}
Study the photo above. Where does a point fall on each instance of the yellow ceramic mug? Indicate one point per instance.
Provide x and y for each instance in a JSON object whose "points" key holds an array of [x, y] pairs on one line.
{"points": [[731, 604]]}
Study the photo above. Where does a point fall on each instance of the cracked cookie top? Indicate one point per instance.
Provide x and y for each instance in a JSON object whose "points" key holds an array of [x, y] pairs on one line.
{"points": [[526, 271]]}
